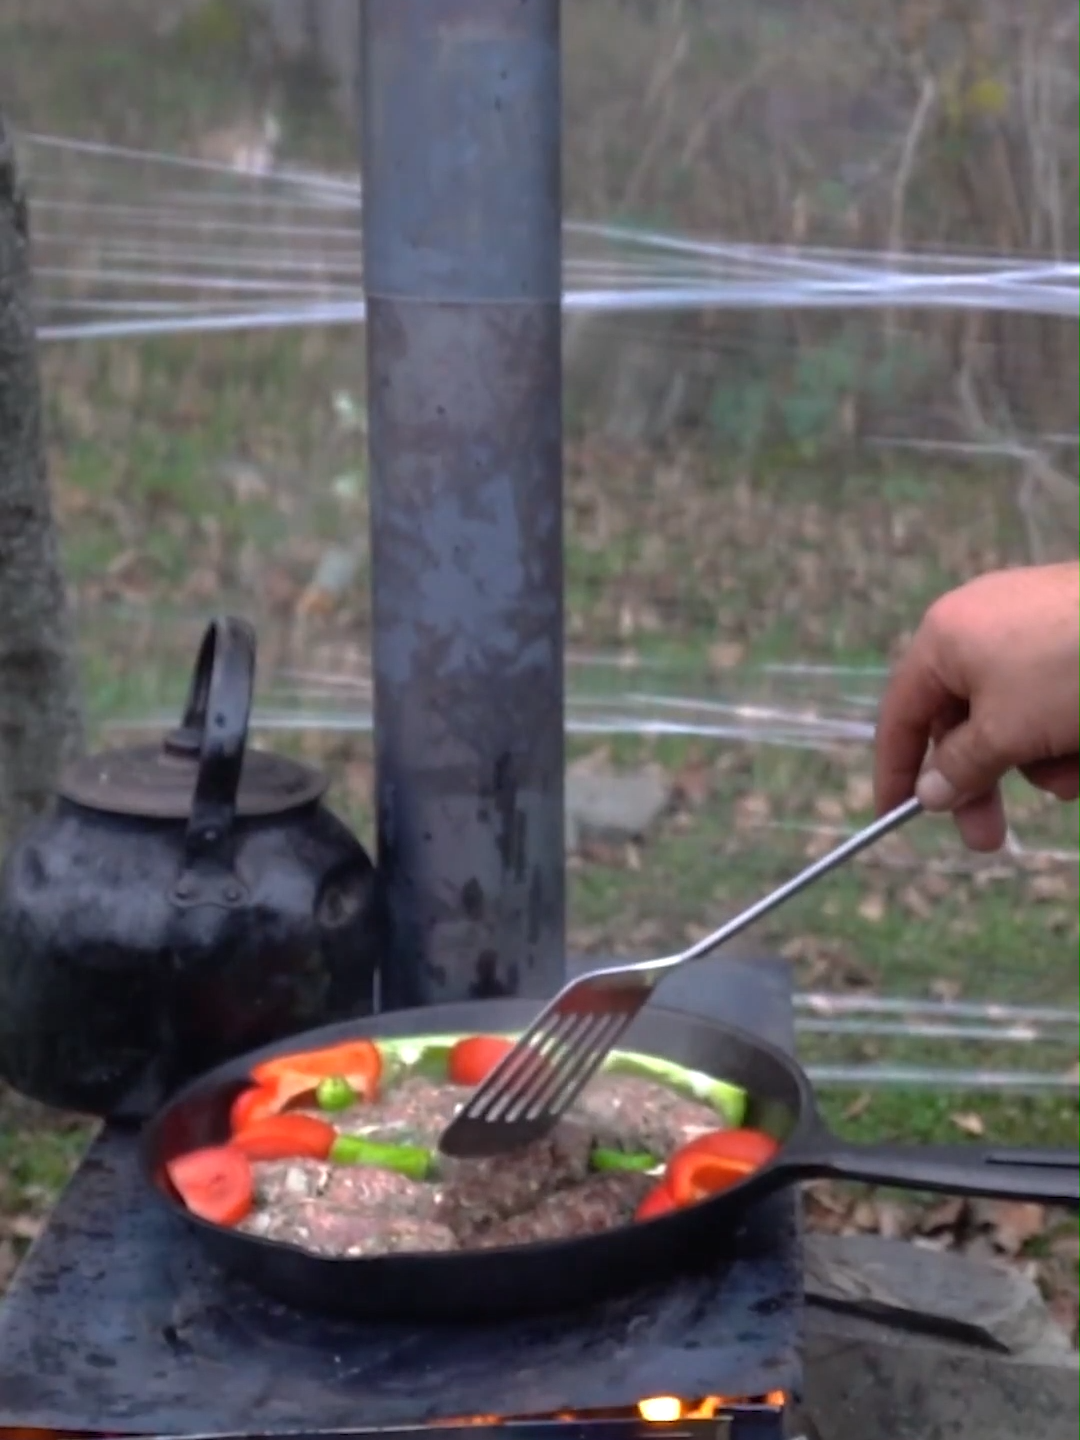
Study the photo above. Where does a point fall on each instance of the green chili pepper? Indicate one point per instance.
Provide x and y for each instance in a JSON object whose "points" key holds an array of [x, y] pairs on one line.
{"points": [[410, 1160], [622, 1160], [335, 1093], [729, 1101]]}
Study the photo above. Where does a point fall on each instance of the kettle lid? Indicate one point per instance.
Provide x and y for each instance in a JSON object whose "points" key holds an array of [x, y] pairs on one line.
{"points": [[204, 770], [158, 781]]}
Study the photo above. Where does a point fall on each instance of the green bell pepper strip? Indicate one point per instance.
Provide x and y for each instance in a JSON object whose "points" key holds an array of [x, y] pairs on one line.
{"points": [[608, 1160], [410, 1160], [335, 1093]]}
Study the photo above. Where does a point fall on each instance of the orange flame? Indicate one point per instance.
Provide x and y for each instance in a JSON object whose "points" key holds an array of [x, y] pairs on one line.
{"points": [[666, 1409], [654, 1409], [661, 1409]]}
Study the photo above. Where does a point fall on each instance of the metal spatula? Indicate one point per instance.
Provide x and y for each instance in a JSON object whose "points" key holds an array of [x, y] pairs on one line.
{"points": [[523, 1097]]}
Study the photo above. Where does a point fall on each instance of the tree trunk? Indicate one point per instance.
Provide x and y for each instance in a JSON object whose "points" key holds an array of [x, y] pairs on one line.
{"points": [[40, 715]]}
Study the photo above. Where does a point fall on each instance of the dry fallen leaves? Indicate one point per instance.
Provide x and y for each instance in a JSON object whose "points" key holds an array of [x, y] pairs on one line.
{"points": [[752, 810], [913, 900], [859, 1106], [726, 655], [829, 809], [873, 907], [1045, 888], [969, 1123], [825, 964], [859, 794], [694, 781], [937, 886], [943, 1215], [819, 844], [890, 1220], [1014, 1223], [24, 1227]]}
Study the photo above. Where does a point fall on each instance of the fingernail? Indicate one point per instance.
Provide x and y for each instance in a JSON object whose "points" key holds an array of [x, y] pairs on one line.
{"points": [[934, 792]]}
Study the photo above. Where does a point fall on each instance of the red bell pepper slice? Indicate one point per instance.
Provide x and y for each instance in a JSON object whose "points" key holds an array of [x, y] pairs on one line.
{"points": [[692, 1177], [742, 1146], [472, 1060], [715, 1162], [659, 1201], [215, 1183], [286, 1137], [256, 1103], [291, 1076]]}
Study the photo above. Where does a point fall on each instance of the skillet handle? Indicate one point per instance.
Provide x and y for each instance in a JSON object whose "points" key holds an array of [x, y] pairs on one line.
{"points": [[990, 1172]]}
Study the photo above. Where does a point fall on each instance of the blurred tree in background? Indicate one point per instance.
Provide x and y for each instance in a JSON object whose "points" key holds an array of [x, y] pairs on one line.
{"points": [[40, 719]]}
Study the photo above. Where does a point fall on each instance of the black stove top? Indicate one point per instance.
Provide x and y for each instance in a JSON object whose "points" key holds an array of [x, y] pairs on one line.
{"points": [[116, 1322]]}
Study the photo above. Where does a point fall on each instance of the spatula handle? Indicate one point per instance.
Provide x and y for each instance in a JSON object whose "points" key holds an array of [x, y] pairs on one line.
{"points": [[835, 858]]}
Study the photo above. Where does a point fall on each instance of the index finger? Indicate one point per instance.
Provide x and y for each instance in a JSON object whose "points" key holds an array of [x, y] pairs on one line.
{"points": [[915, 699]]}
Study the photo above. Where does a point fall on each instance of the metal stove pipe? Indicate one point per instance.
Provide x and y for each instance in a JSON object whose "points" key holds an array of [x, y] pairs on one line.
{"points": [[463, 270]]}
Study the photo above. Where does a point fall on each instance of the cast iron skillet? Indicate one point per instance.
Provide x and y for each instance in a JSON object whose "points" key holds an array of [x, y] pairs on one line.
{"points": [[489, 1284]]}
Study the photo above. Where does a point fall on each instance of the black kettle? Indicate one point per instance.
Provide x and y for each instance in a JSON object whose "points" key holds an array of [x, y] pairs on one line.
{"points": [[182, 903]]}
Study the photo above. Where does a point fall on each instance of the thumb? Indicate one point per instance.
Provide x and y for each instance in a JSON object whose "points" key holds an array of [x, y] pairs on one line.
{"points": [[963, 764]]}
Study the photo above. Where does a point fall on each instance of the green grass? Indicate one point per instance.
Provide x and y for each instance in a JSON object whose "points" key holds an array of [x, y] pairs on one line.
{"points": [[914, 1117], [35, 1161]]}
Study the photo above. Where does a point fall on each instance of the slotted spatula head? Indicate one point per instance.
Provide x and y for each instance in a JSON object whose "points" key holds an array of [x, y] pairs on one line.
{"points": [[524, 1096]]}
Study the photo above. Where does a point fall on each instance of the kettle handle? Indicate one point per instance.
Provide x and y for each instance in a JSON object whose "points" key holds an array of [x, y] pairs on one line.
{"points": [[216, 718]]}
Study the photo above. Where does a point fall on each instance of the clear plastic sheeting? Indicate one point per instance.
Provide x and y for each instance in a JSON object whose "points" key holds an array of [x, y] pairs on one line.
{"points": [[256, 256], [812, 708], [950, 1078]]}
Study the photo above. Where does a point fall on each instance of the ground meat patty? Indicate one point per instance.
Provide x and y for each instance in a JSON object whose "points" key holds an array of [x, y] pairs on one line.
{"points": [[476, 1194], [628, 1112], [284, 1182], [381, 1193], [416, 1112], [328, 1230], [600, 1203]]}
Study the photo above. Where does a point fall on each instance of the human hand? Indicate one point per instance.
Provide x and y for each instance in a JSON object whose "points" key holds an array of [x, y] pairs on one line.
{"points": [[990, 683]]}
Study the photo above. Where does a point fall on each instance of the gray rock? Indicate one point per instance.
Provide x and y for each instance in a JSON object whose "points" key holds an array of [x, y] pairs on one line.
{"points": [[917, 1345], [868, 1382], [986, 1304], [614, 807]]}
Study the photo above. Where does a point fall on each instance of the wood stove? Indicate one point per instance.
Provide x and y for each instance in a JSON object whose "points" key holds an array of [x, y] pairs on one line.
{"points": [[116, 1323]]}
